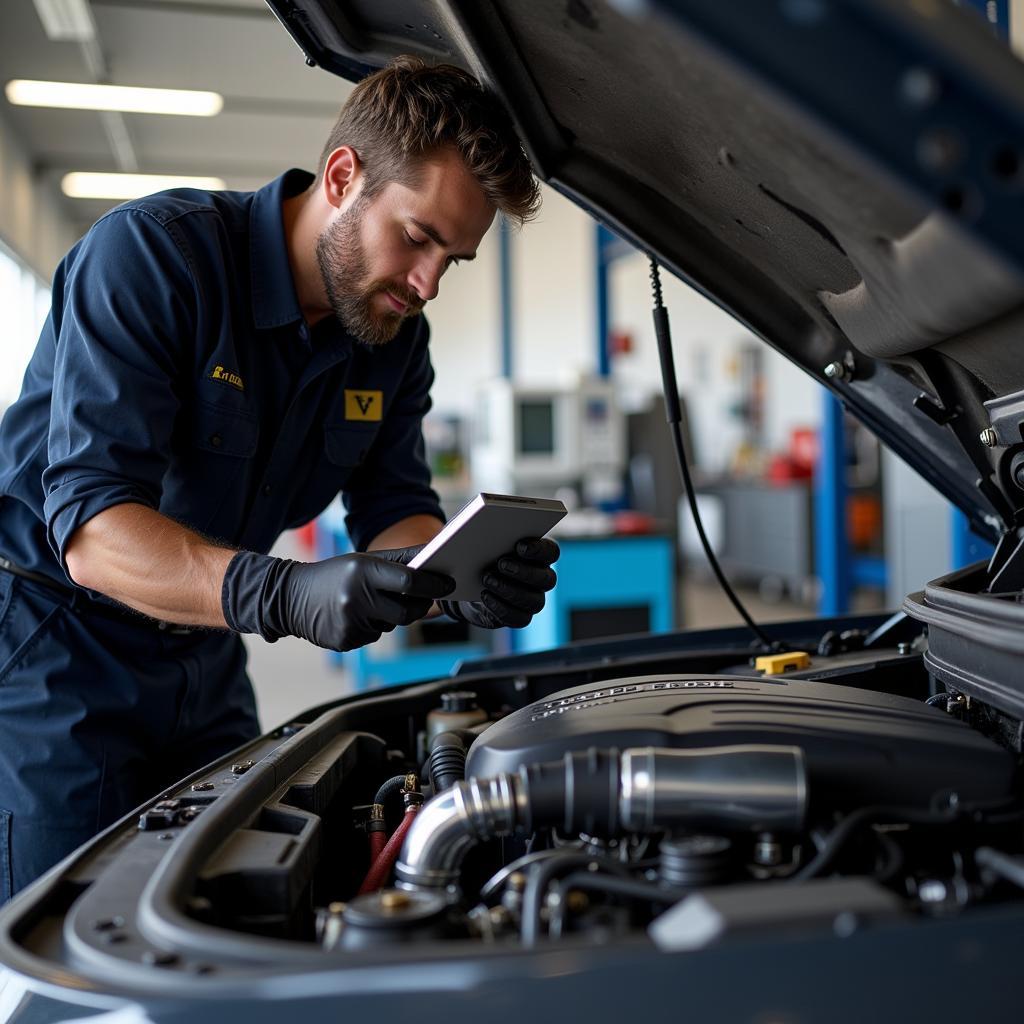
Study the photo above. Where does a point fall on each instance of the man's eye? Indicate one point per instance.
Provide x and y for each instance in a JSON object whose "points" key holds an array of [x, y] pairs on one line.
{"points": [[414, 241], [453, 260]]}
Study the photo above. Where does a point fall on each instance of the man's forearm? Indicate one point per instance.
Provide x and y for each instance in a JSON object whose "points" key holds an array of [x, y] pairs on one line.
{"points": [[150, 563], [407, 533], [141, 558]]}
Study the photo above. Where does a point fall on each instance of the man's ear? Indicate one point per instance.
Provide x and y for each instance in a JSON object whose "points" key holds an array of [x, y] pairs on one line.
{"points": [[343, 177]]}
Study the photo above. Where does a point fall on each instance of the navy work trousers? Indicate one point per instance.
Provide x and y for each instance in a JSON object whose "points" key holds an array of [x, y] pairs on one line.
{"points": [[97, 715]]}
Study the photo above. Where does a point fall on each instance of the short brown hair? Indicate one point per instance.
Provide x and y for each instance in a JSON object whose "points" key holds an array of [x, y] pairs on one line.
{"points": [[398, 116]]}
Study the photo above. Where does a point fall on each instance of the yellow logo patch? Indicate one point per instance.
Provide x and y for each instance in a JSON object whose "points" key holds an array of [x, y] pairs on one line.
{"points": [[364, 405], [227, 377]]}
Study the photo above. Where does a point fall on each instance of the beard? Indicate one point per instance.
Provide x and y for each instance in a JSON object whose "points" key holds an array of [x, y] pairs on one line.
{"points": [[344, 269]]}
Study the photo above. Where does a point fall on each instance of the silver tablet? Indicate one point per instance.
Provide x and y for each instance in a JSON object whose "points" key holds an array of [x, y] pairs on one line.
{"points": [[480, 533]]}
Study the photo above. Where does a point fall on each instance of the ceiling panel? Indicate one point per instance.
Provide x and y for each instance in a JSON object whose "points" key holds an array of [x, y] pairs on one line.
{"points": [[76, 132], [233, 142], [25, 52], [277, 111], [238, 55]]}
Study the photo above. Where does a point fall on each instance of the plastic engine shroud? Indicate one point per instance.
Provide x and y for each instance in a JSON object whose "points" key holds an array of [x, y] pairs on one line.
{"points": [[860, 746]]}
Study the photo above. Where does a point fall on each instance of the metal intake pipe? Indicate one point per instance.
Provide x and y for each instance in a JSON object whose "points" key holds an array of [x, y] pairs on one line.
{"points": [[726, 789]]}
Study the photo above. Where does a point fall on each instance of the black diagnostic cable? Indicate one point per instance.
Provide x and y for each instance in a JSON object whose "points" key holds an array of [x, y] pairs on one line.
{"points": [[674, 414]]}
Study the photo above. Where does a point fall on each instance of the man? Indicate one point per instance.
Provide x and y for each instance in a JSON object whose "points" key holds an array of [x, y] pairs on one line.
{"points": [[215, 368]]}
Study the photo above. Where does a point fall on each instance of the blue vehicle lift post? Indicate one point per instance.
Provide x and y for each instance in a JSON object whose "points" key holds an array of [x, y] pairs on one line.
{"points": [[506, 295], [831, 551]]}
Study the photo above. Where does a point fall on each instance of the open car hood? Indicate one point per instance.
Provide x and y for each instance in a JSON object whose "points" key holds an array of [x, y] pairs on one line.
{"points": [[845, 177]]}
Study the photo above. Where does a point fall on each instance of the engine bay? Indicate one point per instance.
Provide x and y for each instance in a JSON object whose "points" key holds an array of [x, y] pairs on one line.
{"points": [[612, 794], [593, 811]]}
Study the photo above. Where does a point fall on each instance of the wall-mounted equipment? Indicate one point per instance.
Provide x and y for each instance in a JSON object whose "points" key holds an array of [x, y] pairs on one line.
{"points": [[535, 440]]}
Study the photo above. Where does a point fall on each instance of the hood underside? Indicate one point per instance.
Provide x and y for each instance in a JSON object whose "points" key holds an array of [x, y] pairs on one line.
{"points": [[845, 178]]}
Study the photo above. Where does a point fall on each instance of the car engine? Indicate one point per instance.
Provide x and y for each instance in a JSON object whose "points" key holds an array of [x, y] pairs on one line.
{"points": [[618, 796], [593, 811]]}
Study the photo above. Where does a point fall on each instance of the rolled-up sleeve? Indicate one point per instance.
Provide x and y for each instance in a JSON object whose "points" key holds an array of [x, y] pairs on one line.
{"points": [[394, 481], [127, 311]]}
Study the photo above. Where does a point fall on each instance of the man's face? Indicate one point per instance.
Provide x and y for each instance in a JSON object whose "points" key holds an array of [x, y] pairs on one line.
{"points": [[382, 259]]}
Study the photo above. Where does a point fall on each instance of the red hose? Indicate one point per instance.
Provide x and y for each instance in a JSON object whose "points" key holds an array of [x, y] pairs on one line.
{"points": [[377, 841], [380, 869]]}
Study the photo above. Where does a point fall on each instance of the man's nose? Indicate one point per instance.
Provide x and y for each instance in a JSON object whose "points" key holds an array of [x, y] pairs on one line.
{"points": [[425, 278]]}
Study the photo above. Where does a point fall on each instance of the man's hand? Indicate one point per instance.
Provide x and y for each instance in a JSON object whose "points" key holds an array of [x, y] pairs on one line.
{"points": [[514, 587], [340, 603]]}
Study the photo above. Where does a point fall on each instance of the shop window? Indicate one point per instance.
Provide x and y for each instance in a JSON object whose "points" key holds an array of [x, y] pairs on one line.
{"points": [[25, 301]]}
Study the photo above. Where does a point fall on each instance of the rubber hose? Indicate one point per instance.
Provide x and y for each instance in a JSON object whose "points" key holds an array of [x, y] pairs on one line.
{"points": [[380, 870], [377, 842], [393, 785], [446, 764]]}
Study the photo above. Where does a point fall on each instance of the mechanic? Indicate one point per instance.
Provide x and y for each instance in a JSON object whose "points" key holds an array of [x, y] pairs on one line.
{"points": [[215, 368]]}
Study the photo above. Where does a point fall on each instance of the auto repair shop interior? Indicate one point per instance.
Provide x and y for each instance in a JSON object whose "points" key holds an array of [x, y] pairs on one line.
{"points": [[549, 383]]}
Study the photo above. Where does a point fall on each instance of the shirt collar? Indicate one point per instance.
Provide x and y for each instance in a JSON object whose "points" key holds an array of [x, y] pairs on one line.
{"points": [[274, 302]]}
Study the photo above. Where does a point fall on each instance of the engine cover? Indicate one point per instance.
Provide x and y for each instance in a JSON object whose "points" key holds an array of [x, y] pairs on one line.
{"points": [[859, 746]]}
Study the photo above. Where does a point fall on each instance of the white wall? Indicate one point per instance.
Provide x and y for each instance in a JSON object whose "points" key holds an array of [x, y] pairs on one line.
{"points": [[918, 530], [554, 328], [554, 334], [553, 311], [34, 235], [465, 329], [25, 302], [1017, 27], [706, 342], [32, 221], [794, 400]]}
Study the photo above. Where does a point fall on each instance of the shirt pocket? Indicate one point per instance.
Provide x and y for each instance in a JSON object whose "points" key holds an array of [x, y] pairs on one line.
{"points": [[228, 432], [345, 449], [348, 446], [210, 485]]}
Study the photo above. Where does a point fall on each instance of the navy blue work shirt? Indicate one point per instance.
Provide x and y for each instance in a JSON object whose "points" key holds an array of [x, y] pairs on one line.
{"points": [[175, 370]]}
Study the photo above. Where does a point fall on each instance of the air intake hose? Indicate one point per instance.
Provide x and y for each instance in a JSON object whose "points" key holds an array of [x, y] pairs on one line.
{"points": [[720, 789], [446, 764]]}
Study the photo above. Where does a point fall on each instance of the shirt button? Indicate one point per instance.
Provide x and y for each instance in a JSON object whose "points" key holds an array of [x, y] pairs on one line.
{"points": [[268, 490], [216, 440]]}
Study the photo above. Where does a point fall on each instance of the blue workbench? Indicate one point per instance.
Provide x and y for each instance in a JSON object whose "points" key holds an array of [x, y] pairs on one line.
{"points": [[607, 586]]}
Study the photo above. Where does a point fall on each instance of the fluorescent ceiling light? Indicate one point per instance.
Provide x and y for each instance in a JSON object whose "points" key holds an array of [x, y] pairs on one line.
{"points": [[89, 185], [66, 20], [83, 96]]}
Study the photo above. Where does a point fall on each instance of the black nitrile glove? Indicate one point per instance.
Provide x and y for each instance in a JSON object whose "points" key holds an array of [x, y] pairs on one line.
{"points": [[340, 603], [403, 556], [514, 587]]}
